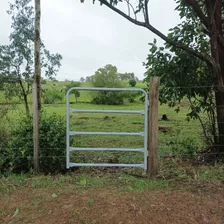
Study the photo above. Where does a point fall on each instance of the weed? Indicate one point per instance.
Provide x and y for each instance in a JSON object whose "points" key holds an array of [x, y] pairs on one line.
{"points": [[90, 201], [16, 212], [140, 184], [76, 212]]}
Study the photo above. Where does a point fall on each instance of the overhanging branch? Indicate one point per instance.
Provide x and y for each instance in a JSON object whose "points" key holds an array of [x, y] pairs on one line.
{"points": [[146, 11], [177, 44]]}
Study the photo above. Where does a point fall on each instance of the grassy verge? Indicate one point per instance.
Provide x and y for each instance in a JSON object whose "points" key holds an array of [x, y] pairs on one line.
{"points": [[173, 175]]}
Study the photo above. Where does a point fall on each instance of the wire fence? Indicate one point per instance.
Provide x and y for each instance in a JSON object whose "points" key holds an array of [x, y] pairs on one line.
{"points": [[177, 136]]}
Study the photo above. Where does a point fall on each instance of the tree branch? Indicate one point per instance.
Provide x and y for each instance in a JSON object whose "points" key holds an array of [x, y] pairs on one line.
{"points": [[146, 11], [210, 13], [129, 4], [184, 47], [196, 7], [128, 7], [213, 11]]}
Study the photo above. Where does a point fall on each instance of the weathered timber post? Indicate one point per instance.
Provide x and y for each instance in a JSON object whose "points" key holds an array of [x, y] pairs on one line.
{"points": [[152, 167], [35, 129], [36, 87]]}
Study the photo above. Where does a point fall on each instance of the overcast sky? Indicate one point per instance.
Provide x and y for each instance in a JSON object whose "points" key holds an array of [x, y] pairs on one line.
{"points": [[90, 36]]}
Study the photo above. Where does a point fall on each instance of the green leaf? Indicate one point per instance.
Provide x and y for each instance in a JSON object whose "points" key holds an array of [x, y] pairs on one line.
{"points": [[16, 212]]}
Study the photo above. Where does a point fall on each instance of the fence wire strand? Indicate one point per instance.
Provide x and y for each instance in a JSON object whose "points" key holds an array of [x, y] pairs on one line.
{"points": [[179, 140]]}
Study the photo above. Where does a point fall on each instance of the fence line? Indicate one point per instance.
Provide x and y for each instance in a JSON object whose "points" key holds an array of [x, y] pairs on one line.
{"points": [[180, 131]]}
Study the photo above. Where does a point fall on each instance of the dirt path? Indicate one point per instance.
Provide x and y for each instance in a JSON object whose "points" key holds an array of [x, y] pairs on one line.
{"points": [[109, 205]]}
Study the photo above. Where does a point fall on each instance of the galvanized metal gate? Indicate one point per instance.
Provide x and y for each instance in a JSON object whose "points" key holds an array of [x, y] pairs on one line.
{"points": [[144, 134]]}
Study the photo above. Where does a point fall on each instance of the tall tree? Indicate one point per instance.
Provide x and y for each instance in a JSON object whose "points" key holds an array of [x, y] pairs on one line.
{"points": [[210, 15], [17, 58], [107, 76]]}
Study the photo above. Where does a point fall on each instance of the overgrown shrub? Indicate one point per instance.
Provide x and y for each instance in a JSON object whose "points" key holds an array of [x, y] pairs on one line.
{"points": [[132, 82], [130, 96], [4, 139], [52, 96], [52, 144], [75, 92], [108, 98], [43, 81], [186, 146]]}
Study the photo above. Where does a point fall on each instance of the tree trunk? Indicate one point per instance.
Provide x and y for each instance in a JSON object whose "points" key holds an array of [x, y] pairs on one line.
{"points": [[219, 98], [26, 104], [214, 11], [37, 52], [24, 96]]}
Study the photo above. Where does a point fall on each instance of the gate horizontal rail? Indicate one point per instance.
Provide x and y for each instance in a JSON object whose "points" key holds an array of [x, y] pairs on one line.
{"points": [[106, 133], [107, 149], [109, 111], [108, 165], [144, 134]]}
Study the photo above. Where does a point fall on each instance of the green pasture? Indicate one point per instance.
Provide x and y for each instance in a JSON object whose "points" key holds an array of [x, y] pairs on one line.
{"points": [[182, 138]]}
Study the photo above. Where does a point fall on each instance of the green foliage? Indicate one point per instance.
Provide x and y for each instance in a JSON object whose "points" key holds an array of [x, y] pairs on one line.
{"points": [[132, 82], [17, 58], [75, 92], [184, 76], [43, 81], [127, 76], [107, 77], [52, 96], [185, 146], [82, 79], [108, 98], [4, 139], [52, 137]]}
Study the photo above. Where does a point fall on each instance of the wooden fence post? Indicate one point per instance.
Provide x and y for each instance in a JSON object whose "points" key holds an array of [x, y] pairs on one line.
{"points": [[36, 87], [35, 129], [152, 168]]}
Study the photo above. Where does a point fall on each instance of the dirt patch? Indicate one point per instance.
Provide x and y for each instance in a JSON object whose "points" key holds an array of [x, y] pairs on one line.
{"points": [[109, 205]]}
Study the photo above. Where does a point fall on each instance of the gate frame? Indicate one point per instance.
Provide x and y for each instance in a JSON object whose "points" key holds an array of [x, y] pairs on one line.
{"points": [[72, 133]]}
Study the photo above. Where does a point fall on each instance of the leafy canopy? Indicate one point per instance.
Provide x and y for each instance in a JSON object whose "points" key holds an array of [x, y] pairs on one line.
{"points": [[17, 58]]}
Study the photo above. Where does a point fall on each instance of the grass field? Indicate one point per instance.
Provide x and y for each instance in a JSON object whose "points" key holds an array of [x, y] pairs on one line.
{"points": [[183, 137]]}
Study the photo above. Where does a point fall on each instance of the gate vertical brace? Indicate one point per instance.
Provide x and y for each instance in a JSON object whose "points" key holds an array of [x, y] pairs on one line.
{"points": [[67, 130]]}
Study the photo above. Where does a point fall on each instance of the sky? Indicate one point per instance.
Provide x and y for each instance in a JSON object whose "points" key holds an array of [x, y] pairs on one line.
{"points": [[89, 36]]}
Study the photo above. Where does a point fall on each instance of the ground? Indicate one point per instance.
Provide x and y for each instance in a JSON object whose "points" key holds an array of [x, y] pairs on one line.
{"points": [[117, 198]]}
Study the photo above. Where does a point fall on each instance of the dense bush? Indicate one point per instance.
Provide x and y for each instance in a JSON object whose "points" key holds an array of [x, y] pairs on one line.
{"points": [[52, 144], [4, 139], [108, 98], [52, 96], [43, 81], [130, 96], [186, 146], [75, 92], [132, 82]]}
